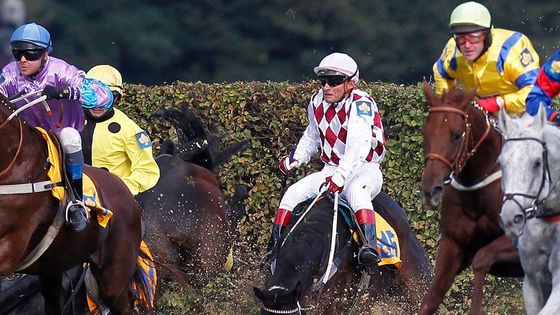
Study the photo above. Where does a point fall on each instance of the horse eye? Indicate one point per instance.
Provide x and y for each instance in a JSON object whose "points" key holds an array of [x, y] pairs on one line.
{"points": [[457, 135], [537, 164]]}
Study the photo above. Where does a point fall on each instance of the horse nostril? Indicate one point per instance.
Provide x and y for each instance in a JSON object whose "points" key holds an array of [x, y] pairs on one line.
{"points": [[437, 190], [517, 219]]}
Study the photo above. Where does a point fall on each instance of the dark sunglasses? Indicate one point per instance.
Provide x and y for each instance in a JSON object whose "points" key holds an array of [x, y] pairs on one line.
{"points": [[333, 80], [29, 54]]}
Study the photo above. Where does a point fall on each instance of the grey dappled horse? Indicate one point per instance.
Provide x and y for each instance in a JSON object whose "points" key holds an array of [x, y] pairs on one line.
{"points": [[530, 161]]}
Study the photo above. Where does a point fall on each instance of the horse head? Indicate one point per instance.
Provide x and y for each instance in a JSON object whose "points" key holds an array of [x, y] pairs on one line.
{"points": [[281, 300], [525, 169], [445, 140]]}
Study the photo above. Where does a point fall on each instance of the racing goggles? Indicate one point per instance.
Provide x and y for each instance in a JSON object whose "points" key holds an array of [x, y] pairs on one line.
{"points": [[29, 54], [333, 80], [472, 37]]}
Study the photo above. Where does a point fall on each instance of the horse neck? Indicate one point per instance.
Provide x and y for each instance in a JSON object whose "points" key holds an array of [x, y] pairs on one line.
{"points": [[23, 153], [552, 140], [483, 161]]}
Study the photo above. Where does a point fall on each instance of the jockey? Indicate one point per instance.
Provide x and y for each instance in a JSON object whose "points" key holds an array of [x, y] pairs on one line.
{"points": [[546, 88], [501, 64], [345, 126], [115, 142], [67, 89]]}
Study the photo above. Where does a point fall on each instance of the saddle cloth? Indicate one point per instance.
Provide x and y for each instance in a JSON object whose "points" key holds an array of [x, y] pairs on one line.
{"points": [[90, 196]]}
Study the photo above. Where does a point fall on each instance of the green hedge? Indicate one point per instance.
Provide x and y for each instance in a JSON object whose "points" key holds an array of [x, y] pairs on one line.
{"points": [[273, 116]]}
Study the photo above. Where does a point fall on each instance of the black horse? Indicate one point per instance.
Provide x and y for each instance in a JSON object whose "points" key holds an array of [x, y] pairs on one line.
{"points": [[304, 255]]}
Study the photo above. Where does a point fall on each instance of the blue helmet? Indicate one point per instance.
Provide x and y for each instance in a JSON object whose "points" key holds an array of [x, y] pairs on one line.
{"points": [[33, 34]]}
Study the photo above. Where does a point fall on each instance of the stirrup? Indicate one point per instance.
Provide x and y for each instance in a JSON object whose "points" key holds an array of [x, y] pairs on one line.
{"points": [[79, 207]]}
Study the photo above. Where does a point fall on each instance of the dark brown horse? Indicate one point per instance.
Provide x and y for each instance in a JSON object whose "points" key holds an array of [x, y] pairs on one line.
{"points": [[303, 259], [461, 145], [26, 217], [188, 222]]}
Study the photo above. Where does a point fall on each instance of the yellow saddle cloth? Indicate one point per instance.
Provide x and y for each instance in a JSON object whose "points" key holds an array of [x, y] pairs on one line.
{"points": [[90, 196], [387, 243]]}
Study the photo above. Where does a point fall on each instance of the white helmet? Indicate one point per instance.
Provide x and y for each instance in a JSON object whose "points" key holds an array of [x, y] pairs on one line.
{"points": [[468, 17], [338, 64]]}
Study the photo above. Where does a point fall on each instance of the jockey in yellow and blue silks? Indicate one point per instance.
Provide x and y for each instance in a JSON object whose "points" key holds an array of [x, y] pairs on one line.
{"points": [[501, 64], [115, 142], [546, 88], [67, 91]]}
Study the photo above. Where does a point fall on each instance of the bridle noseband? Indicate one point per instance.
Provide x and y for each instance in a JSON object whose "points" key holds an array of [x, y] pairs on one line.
{"points": [[464, 153], [296, 310]]}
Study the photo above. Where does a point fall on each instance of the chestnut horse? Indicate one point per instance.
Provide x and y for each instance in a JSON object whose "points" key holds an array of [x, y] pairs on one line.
{"points": [[25, 219], [461, 146], [304, 255]]}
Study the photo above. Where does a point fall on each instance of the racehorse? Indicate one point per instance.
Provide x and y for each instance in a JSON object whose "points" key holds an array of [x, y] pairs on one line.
{"points": [[461, 145], [303, 258], [530, 162], [188, 223], [29, 221]]}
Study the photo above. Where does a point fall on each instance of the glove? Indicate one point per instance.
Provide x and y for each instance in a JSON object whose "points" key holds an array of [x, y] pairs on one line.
{"points": [[334, 184], [52, 92], [286, 165], [491, 104]]}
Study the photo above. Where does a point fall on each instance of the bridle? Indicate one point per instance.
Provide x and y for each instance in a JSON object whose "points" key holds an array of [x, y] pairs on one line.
{"points": [[296, 310], [464, 153], [532, 210]]}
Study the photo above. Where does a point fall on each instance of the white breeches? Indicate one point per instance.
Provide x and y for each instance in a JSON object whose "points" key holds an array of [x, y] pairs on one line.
{"points": [[362, 185], [70, 140]]}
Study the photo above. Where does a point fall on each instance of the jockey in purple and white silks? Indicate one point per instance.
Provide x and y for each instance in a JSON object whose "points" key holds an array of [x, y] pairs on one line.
{"points": [[67, 91], [345, 127]]}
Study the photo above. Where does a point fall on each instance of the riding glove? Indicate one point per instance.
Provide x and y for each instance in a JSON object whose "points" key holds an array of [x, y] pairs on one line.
{"points": [[334, 184], [491, 104], [286, 165], [53, 92]]}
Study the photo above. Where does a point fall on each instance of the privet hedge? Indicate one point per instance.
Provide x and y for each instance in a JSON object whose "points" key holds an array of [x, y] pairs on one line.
{"points": [[272, 116]]}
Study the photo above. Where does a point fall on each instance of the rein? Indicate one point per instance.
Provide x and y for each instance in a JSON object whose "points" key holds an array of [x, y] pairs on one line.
{"points": [[464, 153], [7, 169]]}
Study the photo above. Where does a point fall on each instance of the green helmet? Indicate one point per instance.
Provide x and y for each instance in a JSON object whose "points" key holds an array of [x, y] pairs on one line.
{"points": [[468, 17]]}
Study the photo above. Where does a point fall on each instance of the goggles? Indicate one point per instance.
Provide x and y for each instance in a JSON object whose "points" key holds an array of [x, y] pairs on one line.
{"points": [[472, 37], [333, 80], [29, 54]]}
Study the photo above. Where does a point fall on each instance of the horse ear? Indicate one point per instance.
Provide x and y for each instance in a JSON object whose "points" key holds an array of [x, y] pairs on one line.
{"points": [[430, 95], [503, 120], [258, 293], [541, 117], [298, 291]]}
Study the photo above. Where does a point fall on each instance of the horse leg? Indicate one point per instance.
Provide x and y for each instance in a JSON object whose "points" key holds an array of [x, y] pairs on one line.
{"points": [[51, 289], [448, 264], [501, 249], [552, 305], [113, 287]]}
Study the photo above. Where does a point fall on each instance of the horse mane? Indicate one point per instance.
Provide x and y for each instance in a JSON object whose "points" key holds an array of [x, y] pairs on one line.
{"points": [[196, 142], [305, 251]]}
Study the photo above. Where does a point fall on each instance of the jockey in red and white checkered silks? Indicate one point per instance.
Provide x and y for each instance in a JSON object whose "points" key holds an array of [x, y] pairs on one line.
{"points": [[345, 127]]}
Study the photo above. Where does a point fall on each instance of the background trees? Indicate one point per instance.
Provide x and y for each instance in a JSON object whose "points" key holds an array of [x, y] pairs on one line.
{"points": [[153, 42]]}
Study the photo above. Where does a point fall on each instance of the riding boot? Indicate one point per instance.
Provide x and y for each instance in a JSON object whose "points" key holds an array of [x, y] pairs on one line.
{"points": [[77, 217], [368, 255], [282, 219], [76, 213]]}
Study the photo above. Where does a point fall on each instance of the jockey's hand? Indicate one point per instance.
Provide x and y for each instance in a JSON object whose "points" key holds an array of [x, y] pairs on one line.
{"points": [[334, 184], [490, 104], [52, 92], [286, 165]]}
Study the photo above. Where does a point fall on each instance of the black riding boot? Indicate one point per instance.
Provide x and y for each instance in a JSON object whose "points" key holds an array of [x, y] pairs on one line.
{"points": [[368, 256], [267, 259], [77, 218]]}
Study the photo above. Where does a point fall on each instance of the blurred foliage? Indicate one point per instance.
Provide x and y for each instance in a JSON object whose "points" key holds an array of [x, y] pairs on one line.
{"points": [[152, 42], [273, 116]]}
